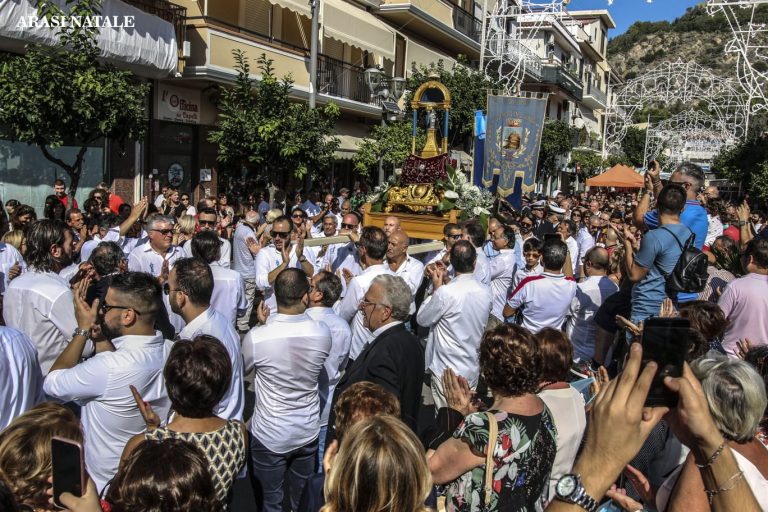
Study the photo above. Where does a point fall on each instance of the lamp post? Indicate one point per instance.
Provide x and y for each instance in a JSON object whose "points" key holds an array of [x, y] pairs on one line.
{"points": [[315, 6], [389, 94]]}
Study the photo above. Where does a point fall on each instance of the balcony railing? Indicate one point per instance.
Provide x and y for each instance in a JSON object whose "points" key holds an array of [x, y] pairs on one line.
{"points": [[467, 24], [172, 13], [594, 91], [343, 80], [214, 22], [558, 75]]}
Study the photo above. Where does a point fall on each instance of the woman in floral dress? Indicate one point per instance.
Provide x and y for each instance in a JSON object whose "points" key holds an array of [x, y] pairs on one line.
{"points": [[524, 450]]}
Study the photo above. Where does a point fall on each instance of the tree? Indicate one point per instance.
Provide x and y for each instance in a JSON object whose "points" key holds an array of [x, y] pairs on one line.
{"points": [[589, 161], [747, 164], [261, 125], [469, 92], [633, 147], [556, 140], [53, 96], [392, 143]]}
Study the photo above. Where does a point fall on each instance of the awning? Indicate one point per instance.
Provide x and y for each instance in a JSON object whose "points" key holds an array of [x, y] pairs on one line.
{"points": [[149, 49], [297, 6], [349, 134], [357, 27], [619, 176], [422, 55]]}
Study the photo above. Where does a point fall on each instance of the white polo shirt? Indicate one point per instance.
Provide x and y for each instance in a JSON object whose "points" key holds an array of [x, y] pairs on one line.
{"points": [[348, 309], [502, 269], [590, 294], [243, 257], [39, 304], [341, 336], [339, 256], [544, 300], [228, 293], [412, 270], [456, 314], [224, 258], [213, 323], [288, 354], [21, 385], [523, 272], [100, 385], [482, 268], [267, 260]]}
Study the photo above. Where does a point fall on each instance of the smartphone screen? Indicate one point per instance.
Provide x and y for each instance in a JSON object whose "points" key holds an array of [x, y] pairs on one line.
{"points": [[665, 341], [68, 468]]}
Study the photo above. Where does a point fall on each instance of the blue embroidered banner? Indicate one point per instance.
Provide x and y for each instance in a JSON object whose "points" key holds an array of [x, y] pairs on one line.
{"points": [[513, 137]]}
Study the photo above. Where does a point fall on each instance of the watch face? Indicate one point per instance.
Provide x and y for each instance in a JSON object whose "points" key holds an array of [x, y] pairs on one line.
{"points": [[566, 485]]}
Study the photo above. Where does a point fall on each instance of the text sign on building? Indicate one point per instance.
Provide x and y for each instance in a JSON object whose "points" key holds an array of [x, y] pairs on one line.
{"points": [[178, 105]]}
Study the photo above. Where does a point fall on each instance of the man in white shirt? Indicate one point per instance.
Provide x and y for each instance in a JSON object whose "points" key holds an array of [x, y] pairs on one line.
{"points": [[567, 229], [278, 256], [456, 314], [21, 386], [324, 291], [502, 269], [156, 257], [338, 257], [401, 264], [473, 232], [228, 289], [207, 220], [12, 264], [451, 234], [590, 294], [372, 249], [246, 246], [544, 300], [190, 288], [159, 200], [39, 301], [133, 354], [288, 355]]}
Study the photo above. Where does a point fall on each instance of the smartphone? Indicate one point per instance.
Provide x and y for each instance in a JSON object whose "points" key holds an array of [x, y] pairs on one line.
{"points": [[650, 164], [68, 468], [665, 341], [584, 386]]}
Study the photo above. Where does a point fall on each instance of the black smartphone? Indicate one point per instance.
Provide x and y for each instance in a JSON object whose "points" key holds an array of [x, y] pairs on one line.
{"points": [[651, 163], [68, 468], [665, 341]]}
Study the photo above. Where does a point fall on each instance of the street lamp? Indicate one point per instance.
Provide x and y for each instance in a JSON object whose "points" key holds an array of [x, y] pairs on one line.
{"points": [[373, 79], [389, 91]]}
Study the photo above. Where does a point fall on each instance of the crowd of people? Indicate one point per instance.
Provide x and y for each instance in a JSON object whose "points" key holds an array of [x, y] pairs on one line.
{"points": [[272, 339]]}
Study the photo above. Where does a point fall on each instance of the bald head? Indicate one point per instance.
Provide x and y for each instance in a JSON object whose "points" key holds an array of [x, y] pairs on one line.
{"points": [[712, 192], [596, 261], [391, 225], [397, 246]]}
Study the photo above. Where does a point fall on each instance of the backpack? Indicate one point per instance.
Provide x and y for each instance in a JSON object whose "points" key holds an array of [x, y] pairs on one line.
{"points": [[690, 272]]}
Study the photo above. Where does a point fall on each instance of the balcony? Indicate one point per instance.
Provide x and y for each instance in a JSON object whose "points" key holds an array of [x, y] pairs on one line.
{"points": [[594, 98], [172, 13], [344, 80], [467, 24], [558, 75]]}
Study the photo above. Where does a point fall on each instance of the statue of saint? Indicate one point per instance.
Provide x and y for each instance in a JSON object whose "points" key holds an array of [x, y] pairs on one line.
{"points": [[431, 120]]}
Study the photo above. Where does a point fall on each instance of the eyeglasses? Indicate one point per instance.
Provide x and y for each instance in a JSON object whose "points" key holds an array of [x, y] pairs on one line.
{"points": [[97, 197], [298, 216], [280, 234], [105, 308], [185, 199], [167, 289], [348, 226], [365, 303], [164, 232]]}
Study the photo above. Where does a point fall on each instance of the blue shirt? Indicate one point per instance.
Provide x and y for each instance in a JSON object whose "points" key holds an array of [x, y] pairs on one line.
{"points": [[658, 249], [695, 217]]}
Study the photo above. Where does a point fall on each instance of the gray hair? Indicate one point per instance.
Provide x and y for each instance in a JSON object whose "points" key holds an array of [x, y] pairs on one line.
{"points": [[155, 219], [735, 394], [397, 295], [332, 216]]}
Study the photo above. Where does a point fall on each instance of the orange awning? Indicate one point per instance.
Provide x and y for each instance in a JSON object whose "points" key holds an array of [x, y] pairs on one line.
{"points": [[619, 176]]}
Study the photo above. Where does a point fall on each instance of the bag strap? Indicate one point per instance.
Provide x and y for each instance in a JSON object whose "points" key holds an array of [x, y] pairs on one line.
{"points": [[688, 242], [493, 433]]}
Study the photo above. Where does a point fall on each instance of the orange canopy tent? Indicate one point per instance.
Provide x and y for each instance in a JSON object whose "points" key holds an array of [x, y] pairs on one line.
{"points": [[619, 176]]}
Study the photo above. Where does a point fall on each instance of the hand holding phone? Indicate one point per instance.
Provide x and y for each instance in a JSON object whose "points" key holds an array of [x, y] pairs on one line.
{"points": [[68, 468], [665, 341]]}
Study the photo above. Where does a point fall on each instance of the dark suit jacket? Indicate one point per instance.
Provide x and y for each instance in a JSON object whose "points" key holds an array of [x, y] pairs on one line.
{"points": [[395, 361]]}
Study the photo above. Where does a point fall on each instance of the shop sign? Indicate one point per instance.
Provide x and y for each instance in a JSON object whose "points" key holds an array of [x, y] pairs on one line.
{"points": [[178, 105]]}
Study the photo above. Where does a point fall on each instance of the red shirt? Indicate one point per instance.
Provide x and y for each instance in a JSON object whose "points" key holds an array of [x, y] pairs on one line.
{"points": [[733, 233], [64, 200], [114, 202]]}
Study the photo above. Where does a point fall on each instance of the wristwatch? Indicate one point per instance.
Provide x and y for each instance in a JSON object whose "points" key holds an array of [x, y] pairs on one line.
{"points": [[81, 332], [570, 490]]}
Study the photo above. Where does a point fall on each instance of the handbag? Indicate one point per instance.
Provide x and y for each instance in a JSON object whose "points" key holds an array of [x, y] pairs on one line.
{"points": [[493, 434]]}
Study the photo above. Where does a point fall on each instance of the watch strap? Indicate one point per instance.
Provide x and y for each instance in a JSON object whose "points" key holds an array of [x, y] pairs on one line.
{"points": [[81, 332]]}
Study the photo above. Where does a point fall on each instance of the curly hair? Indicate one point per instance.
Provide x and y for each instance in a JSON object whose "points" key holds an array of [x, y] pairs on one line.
{"points": [[25, 450], [708, 323], [362, 400], [510, 360]]}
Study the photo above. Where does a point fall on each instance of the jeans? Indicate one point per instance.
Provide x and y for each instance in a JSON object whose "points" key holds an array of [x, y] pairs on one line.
{"points": [[321, 447], [272, 473], [250, 291]]}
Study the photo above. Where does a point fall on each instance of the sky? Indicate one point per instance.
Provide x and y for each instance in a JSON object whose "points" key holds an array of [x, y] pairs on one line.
{"points": [[626, 12]]}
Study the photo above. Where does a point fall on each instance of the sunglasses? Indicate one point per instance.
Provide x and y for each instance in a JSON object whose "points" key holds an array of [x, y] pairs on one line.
{"points": [[454, 237], [104, 308], [164, 232], [280, 234], [185, 199], [348, 226], [298, 216]]}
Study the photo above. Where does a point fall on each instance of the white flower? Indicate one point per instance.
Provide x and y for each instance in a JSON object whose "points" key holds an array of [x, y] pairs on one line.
{"points": [[373, 198], [450, 194], [477, 210], [398, 172]]}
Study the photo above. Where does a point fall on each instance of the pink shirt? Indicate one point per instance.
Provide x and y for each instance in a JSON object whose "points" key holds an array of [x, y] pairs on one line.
{"points": [[745, 304]]}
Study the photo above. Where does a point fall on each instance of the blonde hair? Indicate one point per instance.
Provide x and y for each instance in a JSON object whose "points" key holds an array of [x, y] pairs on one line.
{"points": [[25, 450], [273, 214], [380, 466], [14, 238], [187, 224]]}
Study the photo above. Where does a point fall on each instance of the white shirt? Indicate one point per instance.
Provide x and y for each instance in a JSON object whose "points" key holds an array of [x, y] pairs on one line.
{"points": [[159, 201], [112, 235], [456, 315], [502, 269], [544, 300], [67, 273], [341, 340], [191, 210], [8, 257], [228, 293], [339, 256], [482, 268], [144, 259], [224, 258], [212, 323], [39, 304], [347, 308], [586, 242], [21, 385], [412, 270], [590, 294], [267, 260], [573, 252], [109, 415], [567, 408], [523, 272], [288, 353], [244, 259], [714, 229]]}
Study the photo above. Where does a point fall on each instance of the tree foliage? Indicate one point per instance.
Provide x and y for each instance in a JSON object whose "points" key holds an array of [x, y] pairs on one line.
{"points": [[633, 147], [590, 162], [391, 143], [747, 164], [258, 123], [556, 140], [53, 96]]}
